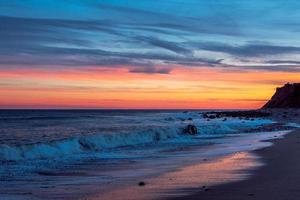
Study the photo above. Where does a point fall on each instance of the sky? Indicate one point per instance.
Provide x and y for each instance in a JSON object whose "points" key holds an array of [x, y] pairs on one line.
{"points": [[146, 54]]}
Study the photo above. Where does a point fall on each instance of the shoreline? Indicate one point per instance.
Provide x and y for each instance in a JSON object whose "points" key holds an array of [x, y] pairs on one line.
{"points": [[278, 178], [184, 173], [206, 171]]}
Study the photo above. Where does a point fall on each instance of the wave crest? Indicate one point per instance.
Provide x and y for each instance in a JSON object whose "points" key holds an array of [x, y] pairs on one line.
{"points": [[82, 144]]}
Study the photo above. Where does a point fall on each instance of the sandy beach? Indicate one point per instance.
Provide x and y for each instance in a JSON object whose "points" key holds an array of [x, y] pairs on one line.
{"points": [[278, 179]]}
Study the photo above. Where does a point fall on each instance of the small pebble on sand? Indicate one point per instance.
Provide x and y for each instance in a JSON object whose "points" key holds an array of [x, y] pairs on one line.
{"points": [[142, 183]]}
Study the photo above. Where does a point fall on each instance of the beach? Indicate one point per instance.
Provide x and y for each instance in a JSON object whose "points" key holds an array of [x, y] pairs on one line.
{"points": [[158, 159], [72, 155], [278, 178]]}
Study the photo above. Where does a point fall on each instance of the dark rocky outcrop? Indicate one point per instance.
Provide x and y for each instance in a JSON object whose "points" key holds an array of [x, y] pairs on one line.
{"points": [[287, 96], [247, 114], [190, 129]]}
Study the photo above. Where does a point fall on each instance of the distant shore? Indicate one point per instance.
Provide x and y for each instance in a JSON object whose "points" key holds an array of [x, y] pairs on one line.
{"points": [[278, 179]]}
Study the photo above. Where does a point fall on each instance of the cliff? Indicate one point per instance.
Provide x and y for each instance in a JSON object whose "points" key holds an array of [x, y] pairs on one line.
{"points": [[287, 96]]}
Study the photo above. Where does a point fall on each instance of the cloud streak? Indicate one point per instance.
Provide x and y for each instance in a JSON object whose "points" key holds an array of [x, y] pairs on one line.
{"points": [[146, 35], [248, 50]]}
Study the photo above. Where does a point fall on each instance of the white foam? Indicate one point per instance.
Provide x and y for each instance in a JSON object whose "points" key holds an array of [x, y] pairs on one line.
{"points": [[83, 144], [99, 142]]}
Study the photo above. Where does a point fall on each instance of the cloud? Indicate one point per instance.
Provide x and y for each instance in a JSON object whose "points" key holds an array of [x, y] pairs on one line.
{"points": [[171, 46], [248, 50], [286, 62], [273, 68], [151, 70], [144, 35]]}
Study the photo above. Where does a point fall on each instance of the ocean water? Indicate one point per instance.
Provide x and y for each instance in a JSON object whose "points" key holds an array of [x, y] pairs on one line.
{"points": [[71, 154]]}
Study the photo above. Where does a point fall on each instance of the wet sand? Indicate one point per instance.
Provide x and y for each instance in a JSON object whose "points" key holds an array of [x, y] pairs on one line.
{"points": [[278, 179]]}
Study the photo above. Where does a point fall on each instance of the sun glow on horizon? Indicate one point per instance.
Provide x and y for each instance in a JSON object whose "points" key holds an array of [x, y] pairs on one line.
{"points": [[183, 88]]}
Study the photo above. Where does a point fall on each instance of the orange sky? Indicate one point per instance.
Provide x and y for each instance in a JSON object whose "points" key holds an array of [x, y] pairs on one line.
{"points": [[184, 87]]}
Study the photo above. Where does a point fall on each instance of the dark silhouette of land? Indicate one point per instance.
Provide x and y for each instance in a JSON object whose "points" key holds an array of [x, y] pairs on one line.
{"points": [[287, 96]]}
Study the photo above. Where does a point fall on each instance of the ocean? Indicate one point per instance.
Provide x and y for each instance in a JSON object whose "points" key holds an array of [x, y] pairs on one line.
{"points": [[95, 154]]}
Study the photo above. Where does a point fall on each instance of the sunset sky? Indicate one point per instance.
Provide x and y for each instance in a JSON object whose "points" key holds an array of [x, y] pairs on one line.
{"points": [[161, 54]]}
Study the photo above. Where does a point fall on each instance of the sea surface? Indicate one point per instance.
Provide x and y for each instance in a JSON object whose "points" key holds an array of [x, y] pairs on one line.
{"points": [[104, 154]]}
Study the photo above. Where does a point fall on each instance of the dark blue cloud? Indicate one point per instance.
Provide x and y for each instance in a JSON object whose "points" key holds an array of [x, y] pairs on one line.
{"points": [[248, 50], [171, 46], [283, 62], [151, 70], [144, 34]]}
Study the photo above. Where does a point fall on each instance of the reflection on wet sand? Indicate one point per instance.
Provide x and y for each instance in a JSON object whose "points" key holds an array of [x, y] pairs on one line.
{"points": [[182, 181]]}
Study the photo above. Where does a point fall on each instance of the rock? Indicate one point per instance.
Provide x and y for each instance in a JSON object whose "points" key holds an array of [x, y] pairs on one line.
{"points": [[170, 119], [287, 96], [212, 117], [142, 183], [205, 115], [239, 114], [191, 129]]}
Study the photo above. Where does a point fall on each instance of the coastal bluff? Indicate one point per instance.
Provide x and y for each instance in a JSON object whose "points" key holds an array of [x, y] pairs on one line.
{"points": [[287, 96]]}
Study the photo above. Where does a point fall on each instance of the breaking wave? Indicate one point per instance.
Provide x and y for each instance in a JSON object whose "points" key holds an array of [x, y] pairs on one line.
{"points": [[83, 144], [102, 142]]}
